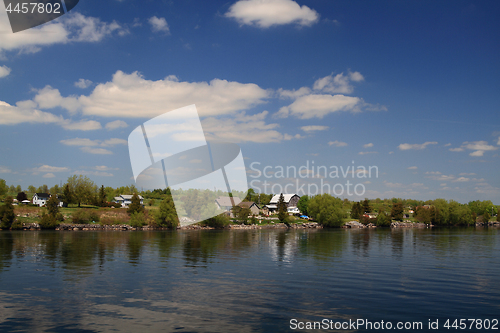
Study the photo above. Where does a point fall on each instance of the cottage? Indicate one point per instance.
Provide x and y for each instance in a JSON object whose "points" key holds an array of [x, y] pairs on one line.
{"points": [[254, 209], [291, 200], [126, 199], [226, 203], [40, 199]]}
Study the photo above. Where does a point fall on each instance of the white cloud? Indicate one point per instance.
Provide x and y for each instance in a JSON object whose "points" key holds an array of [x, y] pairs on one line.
{"points": [[24, 112], [159, 24], [4, 169], [48, 175], [313, 128], [337, 143], [73, 27], [80, 142], [477, 153], [49, 98], [467, 174], [93, 173], [456, 149], [103, 168], [83, 125], [367, 152], [498, 142], [339, 83], [48, 169], [82, 83], [116, 124], [368, 145], [113, 142], [4, 71], [413, 168], [461, 179], [98, 151], [318, 106], [127, 93], [243, 128], [266, 13], [408, 146], [293, 94]]}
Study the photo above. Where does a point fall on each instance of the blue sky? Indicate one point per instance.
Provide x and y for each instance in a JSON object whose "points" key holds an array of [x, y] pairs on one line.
{"points": [[409, 87]]}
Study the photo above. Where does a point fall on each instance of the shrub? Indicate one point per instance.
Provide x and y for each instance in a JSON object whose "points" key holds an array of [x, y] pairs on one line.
{"points": [[289, 220], [137, 220], [17, 225], [48, 222], [7, 215], [218, 221], [84, 216]]}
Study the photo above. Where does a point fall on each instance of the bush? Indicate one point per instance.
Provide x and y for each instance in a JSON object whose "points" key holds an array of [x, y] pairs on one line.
{"points": [[137, 220], [48, 222], [84, 216], [7, 215], [288, 220], [17, 225], [218, 221]]}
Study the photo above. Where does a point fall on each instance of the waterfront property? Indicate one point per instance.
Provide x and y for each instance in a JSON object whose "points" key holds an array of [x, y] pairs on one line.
{"points": [[254, 209], [291, 201], [126, 199], [227, 203]]}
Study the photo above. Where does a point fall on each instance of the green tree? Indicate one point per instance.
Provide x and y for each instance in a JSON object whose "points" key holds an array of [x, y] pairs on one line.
{"points": [[12, 189], [498, 215], [486, 217], [3, 187], [242, 214], [366, 207], [137, 219], [151, 202], [21, 196], [397, 211], [102, 196], [356, 210], [303, 204], [31, 189], [135, 205], [218, 221], [7, 215], [282, 209], [18, 189], [383, 218], [68, 194], [326, 210], [82, 188], [166, 216]]}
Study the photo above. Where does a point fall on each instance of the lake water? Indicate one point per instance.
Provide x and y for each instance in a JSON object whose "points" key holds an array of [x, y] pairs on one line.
{"points": [[247, 280]]}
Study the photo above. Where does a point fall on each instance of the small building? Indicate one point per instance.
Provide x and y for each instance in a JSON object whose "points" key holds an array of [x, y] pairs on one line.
{"points": [[254, 209], [291, 200], [40, 199], [226, 203], [126, 199]]}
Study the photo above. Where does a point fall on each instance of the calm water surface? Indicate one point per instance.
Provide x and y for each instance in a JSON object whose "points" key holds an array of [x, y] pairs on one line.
{"points": [[245, 280]]}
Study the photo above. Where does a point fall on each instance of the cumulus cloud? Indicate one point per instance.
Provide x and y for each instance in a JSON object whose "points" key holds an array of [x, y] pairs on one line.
{"points": [[368, 145], [82, 83], [318, 106], [243, 128], [337, 143], [413, 168], [128, 93], [116, 124], [49, 98], [479, 147], [314, 128], [4, 169], [25, 112], [83, 125], [267, 13], [48, 169], [159, 24], [73, 27], [416, 146], [339, 83], [94, 146], [367, 152], [4, 71]]}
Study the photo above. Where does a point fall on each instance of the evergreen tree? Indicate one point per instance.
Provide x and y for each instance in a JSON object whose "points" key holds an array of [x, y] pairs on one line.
{"points": [[7, 215], [102, 196], [498, 215], [366, 207], [486, 217], [356, 210], [69, 196], [397, 211], [166, 216], [282, 209], [135, 206]]}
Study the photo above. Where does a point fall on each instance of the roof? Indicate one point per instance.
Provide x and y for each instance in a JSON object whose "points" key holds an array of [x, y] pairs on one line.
{"points": [[247, 204], [286, 197], [271, 206], [129, 196], [226, 201], [42, 195], [118, 198]]}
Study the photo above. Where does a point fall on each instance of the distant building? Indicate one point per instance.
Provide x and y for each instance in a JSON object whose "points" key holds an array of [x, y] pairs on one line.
{"points": [[291, 201], [254, 209], [226, 203], [40, 199], [126, 199]]}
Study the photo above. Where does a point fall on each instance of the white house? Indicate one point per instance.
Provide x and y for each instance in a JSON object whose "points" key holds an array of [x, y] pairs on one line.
{"points": [[40, 199], [291, 201], [126, 199]]}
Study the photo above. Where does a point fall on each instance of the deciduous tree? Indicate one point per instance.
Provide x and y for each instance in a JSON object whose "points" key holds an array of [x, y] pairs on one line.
{"points": [[7, 215]]}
